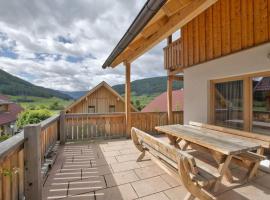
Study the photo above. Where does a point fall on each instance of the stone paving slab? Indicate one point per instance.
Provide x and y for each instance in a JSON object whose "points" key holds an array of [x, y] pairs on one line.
{"points": [[107, 170]]}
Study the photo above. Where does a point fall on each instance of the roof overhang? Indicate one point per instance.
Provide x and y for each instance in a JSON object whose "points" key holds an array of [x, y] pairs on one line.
{"points": [[151, 26]]}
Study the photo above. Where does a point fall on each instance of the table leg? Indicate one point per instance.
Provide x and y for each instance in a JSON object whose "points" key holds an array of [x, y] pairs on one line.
{"points": [[173, 141], [254, 170], [223, 168], [220, 158]]}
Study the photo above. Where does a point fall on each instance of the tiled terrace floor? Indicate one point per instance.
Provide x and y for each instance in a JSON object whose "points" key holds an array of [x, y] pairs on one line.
{"points": [[108, 170]]}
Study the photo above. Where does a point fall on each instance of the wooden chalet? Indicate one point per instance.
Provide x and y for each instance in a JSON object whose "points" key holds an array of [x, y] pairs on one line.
{"points": [[223, 57], [100, 99], [222, 50]]}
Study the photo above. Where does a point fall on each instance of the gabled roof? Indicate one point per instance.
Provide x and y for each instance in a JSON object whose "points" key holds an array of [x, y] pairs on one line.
{"points": [[159, 104], [11, 115], [263, 85], [102, 84]]}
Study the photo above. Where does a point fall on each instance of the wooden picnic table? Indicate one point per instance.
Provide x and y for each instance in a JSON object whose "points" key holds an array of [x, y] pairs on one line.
{"points": [[221, 146]]}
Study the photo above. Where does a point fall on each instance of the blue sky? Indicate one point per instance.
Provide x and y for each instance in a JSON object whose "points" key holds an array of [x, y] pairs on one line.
{"points": [[62, 44]]}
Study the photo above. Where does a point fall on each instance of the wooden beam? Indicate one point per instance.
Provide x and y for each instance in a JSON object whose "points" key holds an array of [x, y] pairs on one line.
{"points": [[176, 21], [62, 128], [178, 78], [169, 99], [127, 100], [32, 155], [169, 40]]}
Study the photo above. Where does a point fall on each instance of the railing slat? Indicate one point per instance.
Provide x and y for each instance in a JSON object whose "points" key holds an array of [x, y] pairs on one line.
{"points": [[172, 55]]}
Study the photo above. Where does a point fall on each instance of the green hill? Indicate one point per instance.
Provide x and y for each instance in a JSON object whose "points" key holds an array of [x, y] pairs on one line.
{"points": [[12, 85], [148, 86]]}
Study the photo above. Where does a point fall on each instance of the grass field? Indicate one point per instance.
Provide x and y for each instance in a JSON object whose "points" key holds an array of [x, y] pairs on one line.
{"points": [[33, 103]]}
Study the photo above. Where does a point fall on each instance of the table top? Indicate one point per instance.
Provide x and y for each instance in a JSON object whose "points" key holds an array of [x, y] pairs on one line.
{"points": [[216, 140]]}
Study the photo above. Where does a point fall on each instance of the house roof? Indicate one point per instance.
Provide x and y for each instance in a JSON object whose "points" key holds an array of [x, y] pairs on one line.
{"points": [[14, 110], [159, 104], [102, 84], [151, 26], [263, 85]]}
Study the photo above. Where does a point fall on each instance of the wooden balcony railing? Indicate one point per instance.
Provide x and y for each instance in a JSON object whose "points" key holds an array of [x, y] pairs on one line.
{"points": [[24, 156], [91, 126], [21, 158], [172, 55]]}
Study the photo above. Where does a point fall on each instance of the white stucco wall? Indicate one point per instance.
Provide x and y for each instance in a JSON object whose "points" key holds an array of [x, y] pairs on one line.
{"points": [[196, 78]]}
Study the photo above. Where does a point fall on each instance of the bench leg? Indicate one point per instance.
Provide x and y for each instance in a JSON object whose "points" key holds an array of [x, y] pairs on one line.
{"points": [[139, 159], [189, 196]]}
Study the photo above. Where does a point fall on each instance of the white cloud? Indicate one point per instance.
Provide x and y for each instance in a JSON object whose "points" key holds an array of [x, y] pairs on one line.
{"points": [[33, 27]]}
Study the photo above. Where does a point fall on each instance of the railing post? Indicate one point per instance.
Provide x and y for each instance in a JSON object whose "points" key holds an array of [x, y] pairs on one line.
{"points": [[169, 99], [32, 154], [127, 100], [62, 128]]}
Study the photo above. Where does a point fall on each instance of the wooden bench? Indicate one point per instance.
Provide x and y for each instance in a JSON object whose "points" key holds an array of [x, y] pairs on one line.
{"points": [[180, 164], [247, 159]]}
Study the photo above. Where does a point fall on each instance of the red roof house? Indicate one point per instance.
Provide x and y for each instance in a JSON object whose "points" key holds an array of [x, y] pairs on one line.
{"points": [[159, 104], [9, 110]]}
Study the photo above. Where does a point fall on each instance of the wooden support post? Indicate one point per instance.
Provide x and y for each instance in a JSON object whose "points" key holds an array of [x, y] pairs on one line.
{"points": [[169, 99], [169, 40], [127, 100], [32, 155], [62, 128]]}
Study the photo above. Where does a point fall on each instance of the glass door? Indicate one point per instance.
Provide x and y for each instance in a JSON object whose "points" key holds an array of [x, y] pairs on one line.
{"points": [[261, 105], [228, 110]]}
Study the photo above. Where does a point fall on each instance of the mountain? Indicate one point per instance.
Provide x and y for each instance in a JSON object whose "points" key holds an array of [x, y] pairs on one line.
{"points": [[148, 86], [74, 94], [12, 85]]}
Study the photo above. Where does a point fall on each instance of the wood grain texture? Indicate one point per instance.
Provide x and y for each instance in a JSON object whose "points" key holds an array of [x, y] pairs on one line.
{"points": [[224, 145]]}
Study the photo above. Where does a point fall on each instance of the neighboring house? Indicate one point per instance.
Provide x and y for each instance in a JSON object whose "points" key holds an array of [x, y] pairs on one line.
{"points": [[101, 99], [159, 104], [9, 112]]}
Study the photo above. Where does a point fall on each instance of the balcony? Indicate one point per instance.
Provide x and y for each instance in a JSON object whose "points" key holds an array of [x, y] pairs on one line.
{"points": [[172, 55], [96, 161]]}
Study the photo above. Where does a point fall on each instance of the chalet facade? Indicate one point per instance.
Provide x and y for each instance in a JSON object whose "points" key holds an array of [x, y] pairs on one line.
{"points": [[222, 53], [9, 112], [101, 99]]}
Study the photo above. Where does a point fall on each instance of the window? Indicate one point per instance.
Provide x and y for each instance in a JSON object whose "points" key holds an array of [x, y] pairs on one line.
{"points": [[229, 104], [91, 109], [242, 103], [112, 108], [261, 105]]}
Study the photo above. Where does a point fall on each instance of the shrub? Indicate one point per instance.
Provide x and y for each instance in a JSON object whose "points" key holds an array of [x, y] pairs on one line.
{"points": [[56, 106], [32, 117], [4, 137]]}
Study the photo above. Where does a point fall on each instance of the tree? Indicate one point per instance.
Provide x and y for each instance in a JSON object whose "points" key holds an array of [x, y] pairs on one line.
{"points": [[32, 117]]}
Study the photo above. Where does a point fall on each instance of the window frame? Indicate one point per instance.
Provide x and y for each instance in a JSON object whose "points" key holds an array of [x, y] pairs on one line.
{"points": [[94, 107], [247, 97], [112, 106]]}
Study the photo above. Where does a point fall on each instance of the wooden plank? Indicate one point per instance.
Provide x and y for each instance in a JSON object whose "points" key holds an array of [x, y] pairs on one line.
{"points": [[258, 138], [196, 50], [236, 25], [209, 33], [14, 177], [250, 23], [190, 44], [127, 99], [260, 21], [202, 37], [244, 23], [6, 185], [184, 33], [224, 145], [217, 29]]}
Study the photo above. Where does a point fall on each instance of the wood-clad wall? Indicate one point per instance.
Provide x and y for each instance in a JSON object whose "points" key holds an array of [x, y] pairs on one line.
{"points": [[101, 99], [226, 27]]}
